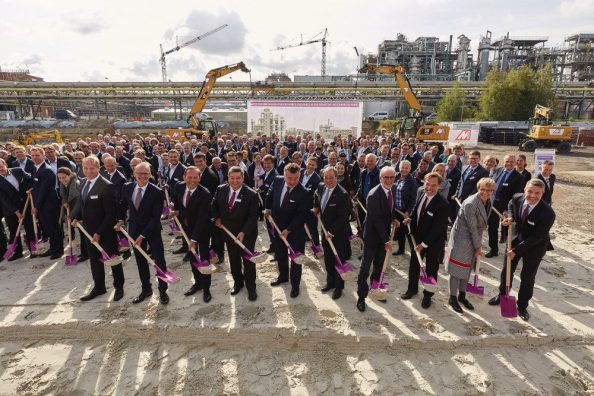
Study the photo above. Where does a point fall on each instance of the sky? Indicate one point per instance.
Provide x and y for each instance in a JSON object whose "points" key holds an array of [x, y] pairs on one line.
{"points": [[67, 40]]}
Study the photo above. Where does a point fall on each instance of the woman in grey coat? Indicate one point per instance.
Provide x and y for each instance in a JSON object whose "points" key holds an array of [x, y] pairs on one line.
{"points": [[464, 246], [70, 197]]}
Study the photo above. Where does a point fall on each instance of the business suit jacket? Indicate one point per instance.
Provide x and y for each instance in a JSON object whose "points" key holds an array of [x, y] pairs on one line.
{"points": [[117, 180], [243, 216], [431, 228], [267, 182], [125, 164], [513, 185], [312, 184], [224, 169], [209, 180], [146, 220], [187, 159], [29, 165], [292, 215], [379, 218], [45, 196], [468, 187], [280, 166], [373, 181], [336, 216], [531, 237], [453, 176], [549, 188], [98, 212], [11, 199], [196, 216]]}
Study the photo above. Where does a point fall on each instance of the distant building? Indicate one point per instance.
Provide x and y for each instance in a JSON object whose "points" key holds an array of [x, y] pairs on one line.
{"points": [[18, 75], [268, 123]]}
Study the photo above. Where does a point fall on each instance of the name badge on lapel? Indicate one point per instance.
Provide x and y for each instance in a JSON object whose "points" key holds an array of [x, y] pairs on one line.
{"points": [[530, 222], [430, 213], [505, 184], [471, 177], [237, 200], [292, 200], [94, 197]]}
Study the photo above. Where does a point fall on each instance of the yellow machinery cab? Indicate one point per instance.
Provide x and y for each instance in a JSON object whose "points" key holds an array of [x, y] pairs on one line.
{"points": [[433, 133], [550, 132]]}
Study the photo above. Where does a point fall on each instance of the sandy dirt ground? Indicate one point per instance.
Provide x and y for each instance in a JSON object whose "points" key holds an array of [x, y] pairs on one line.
{"points": [[51, 343]]}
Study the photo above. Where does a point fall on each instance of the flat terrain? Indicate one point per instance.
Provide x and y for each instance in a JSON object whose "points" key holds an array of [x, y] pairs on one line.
{"points": [[50, 343]]}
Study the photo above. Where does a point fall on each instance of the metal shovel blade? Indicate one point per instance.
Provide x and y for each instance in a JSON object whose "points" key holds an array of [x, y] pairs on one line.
{"points": [[509, 308]]}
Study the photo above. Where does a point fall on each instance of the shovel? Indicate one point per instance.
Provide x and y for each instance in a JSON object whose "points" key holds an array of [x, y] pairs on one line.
{"points": [[509, 308], [173, 227], [70, 259], [316, 250], [165, 276], [474, 288], [254, 257], [429, 283], [123, 245], [379, 289], [37, 246], [105, 258], [297, 257], [204, 266], [343, 268], [355, 239], [12, 248]]}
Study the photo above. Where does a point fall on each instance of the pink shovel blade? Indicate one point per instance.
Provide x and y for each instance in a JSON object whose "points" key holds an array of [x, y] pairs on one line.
{"points": [[10, 251], [33, 246], [375, 284], [166, 211], [166, 276], [213, 258], [509, 308], [298, 258], [123, 244], [70, 260], [474, 288], [355, 239], [345, 271]]}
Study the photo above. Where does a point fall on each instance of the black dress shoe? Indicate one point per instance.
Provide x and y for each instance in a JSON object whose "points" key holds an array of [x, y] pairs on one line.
{"points": [[327, 288], [252, 295], [336, 294], [523, 313], [236, 289], [195, 287], [426, 303], [118, 295], [407, 295], [16, 256], [94, 293], [56, 256], [278, 282], [163, 297], [142, 296], [465, 302], [206, 296], [187, 257], [494, 300], [270, 250], [82, 258], [491, 254], [361, 305], [454, 304], [294, 293], [180, 250]]}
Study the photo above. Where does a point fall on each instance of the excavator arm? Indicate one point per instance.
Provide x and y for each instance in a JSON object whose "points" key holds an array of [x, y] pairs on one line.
{"points": [[208, 85], [399, 74]]}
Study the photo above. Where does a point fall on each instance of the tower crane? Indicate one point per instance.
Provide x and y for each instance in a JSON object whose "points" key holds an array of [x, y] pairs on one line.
{"points": [[178, 47], [313, 40]]}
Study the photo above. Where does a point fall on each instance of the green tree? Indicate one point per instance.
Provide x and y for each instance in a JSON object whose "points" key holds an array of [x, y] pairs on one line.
{"points": [[452, 106], [512, 96]]}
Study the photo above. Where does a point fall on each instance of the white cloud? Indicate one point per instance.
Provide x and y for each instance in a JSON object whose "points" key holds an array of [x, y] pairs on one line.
{"points": [[576, 7]]}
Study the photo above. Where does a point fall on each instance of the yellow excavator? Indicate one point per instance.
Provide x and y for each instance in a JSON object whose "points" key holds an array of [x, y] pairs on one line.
{"points": [[544, 134], [46, 137], [411, 125], [199, 123]]}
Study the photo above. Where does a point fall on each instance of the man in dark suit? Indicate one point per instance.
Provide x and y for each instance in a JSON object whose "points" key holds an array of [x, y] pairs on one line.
{"points": [[509, 182], [123, 161], [144, 201], [376, 232], [53, 161], [268, 178], [98, 217], [533, 219], [428, 224], [47, 203], [14, 184], [186, 157], [22, 161], [356, 169], [208, 178], [220, 169], [334, 205], [114, 176], [283, 160], [311, 180], [192, 205], [368, 180], [548, 178], [287, 202], [236, 207], [453, 175], [175, 174], [470, 176]]}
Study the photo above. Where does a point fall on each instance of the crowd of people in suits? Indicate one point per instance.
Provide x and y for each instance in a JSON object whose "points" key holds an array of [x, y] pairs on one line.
{"points": [[231, 182]]}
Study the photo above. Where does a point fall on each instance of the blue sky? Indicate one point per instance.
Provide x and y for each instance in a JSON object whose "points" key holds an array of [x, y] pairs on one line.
{"points": [[66, 40]]}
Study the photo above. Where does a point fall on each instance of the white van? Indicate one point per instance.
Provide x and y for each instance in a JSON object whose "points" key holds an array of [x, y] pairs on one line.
{"points": [[379, 115]]}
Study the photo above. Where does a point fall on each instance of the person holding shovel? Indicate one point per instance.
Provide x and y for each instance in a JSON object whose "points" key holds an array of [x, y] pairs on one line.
{"points": [[70, 195], [464, 246], [533, 219]]}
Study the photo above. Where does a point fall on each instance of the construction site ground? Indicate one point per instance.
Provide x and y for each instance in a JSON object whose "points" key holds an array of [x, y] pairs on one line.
{"points": [[51, 343]]}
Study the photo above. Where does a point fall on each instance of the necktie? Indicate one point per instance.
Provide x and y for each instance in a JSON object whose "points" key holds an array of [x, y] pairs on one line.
{"points": [[423, 207], [325, 199], [390, 200], [500, 181], [232, 201], [525, 213], [286, 197], [138, 198], [187, 200], [85, 191]]}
